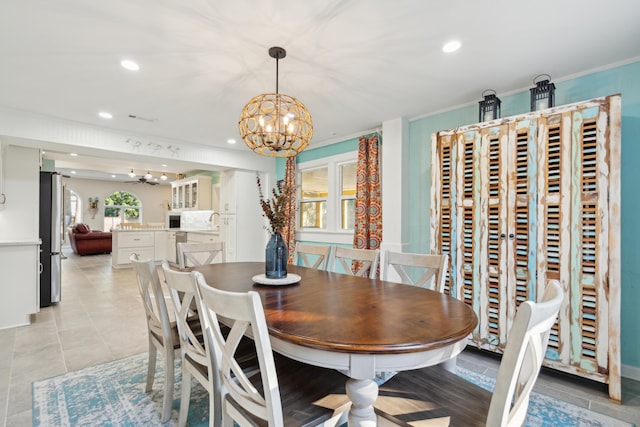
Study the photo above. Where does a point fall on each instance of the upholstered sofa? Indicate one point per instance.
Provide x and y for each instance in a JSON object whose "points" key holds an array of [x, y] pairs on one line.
{"points": [[84, 241]]}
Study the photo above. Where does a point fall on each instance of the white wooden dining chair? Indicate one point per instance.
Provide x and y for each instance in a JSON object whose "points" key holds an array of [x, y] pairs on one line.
{"points": [[195, 362], [357, 262], [442, 394], [192, 254], [312, 256], [283, 391], [162, 332], [424, 270]]}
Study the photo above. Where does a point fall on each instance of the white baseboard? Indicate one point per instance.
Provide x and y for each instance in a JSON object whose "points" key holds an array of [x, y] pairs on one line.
{"points": [[631, 372]]}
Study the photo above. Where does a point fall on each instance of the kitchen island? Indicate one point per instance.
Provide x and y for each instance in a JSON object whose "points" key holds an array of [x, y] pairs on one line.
{"points": [[158, 244]]}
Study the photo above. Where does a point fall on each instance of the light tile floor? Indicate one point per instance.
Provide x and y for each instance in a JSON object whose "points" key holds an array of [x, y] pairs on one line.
{"points": [[101, 318]]}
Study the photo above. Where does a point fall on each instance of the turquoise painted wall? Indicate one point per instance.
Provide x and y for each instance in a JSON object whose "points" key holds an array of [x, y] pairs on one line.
{"points": [[48, 165], [346, 146], [624, 80]]}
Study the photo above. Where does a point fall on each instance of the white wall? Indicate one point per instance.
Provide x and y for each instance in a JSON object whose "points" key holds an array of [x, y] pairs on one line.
{"points": [[154, 198]]}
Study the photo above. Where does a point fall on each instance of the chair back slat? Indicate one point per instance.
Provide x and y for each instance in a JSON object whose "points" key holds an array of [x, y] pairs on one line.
{"points": [[243, 312], [408, 265], [193, 254], [523, 356], [408, 399], [312, 256], [357, 262], [155, 306], [182, 289]]}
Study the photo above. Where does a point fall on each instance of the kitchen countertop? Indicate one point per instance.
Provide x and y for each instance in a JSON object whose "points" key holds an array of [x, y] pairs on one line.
{"points": [[185, 230], [20, 242]]}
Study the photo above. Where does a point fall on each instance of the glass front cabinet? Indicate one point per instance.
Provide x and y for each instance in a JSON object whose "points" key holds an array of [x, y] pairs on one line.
{"points": [[193, 193]]}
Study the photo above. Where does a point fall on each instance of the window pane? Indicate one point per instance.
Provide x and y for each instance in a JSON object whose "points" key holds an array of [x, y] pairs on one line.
{"points": [[111, 212], [121, 207], [348, 219], [313, 214], [111, 218], [315, 183], [132, 214], [348, 174]]}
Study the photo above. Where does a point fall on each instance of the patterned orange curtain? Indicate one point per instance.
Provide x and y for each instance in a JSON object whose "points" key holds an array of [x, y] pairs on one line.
{"points": [[368, 221], [289, 230]]}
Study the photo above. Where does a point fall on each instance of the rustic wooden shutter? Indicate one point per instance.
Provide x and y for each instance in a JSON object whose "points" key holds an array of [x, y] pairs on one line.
{"points": [[519, 201]]}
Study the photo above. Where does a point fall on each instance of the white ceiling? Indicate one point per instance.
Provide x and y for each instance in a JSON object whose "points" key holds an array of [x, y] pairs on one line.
{"points": [[353, 63]]}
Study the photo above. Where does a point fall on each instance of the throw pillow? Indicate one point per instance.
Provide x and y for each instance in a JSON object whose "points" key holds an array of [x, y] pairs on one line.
{"points": [[83, 228]]}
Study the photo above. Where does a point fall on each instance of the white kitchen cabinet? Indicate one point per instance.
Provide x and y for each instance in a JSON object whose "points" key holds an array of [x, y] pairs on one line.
{"points": [[160, 245], [228, 233], [193, 193], [126, 243], [241, 220], [20, 284], [19, 240], [228, 191], [170, 246]]}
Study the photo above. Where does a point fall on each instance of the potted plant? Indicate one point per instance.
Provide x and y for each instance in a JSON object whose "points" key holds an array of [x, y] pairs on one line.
{"points": [[275, 209]]}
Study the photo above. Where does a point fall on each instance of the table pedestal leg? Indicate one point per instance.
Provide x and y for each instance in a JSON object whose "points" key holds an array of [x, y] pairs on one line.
{"points": [[363, 394]]}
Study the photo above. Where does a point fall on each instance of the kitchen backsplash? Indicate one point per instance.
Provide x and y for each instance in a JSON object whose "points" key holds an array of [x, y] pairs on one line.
{"points": [[197, 220]]}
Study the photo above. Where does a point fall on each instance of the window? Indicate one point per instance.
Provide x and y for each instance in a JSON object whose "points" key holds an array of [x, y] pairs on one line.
{"points": [[348, 173], [121, 207], [327, 194], [72, 208], [314, 185]]}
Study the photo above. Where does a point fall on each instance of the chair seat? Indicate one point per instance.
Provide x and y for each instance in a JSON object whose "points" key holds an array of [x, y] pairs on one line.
{"points": [[194, 323], [432, 393], [301, 384]]}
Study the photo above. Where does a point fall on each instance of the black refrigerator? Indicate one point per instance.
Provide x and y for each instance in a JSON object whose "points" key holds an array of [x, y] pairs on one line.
{"points": [[50, 236]]}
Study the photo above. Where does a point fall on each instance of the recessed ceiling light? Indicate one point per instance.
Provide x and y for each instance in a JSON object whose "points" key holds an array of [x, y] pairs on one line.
{"points": [[451, 46], [231, 141], [105, 115], [73, 172], [130, 65], [163, 165], [113, 176], [73, 154]]}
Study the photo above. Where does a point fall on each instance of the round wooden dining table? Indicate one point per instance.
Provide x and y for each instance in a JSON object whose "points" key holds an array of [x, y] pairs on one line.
{"points": [[356, 325]]}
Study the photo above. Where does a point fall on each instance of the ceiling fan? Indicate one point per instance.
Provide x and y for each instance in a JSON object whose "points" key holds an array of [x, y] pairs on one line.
{"points": [[142, 180]]}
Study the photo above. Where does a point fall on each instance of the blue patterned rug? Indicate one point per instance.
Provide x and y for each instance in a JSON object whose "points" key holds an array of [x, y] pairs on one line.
{"points": [[545, 411], [112, 394]]}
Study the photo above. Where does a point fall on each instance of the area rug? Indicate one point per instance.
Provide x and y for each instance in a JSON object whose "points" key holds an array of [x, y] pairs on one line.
{"points": [[112, 394], [545, 411]]}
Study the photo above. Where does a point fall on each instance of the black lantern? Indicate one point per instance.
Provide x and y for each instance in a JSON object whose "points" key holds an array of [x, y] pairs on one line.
{"points": [[489, 106], [542, 94]]}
